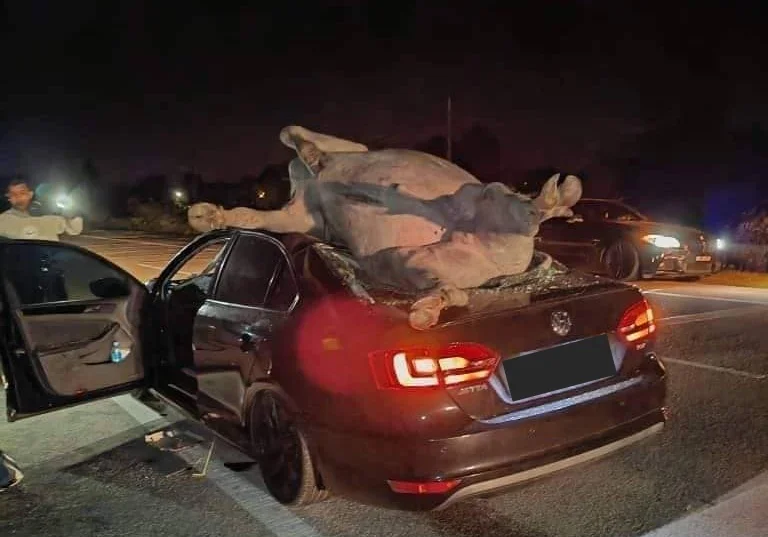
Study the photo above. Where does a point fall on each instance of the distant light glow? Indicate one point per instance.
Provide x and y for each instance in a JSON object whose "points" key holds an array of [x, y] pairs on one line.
{"points": [[720, 244], [63, 201]]}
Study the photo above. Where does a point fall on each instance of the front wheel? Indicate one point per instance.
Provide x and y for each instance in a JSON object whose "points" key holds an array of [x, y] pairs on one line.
{"points": [[281, 451], [621, 261]]}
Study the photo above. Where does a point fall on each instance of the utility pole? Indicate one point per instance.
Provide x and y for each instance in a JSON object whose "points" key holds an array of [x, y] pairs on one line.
{"points": [[448, 136]]}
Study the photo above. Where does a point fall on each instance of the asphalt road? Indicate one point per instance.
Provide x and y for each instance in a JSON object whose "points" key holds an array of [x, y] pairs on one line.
{"points": [[90, 472]]}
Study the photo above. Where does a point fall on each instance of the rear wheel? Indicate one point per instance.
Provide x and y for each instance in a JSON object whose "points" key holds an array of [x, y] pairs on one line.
{"points": [[621, 261], [282, 453]]}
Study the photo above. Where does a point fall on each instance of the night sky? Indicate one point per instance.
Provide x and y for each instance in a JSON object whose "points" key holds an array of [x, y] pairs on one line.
{"points": [[629, 93]]}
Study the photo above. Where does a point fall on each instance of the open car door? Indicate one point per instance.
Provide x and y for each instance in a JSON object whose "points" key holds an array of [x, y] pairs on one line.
{"points": [[70, 327]]}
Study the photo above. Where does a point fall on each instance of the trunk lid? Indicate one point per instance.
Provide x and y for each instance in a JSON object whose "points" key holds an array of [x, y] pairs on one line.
{"points": [[526, 333], [514, 317]]}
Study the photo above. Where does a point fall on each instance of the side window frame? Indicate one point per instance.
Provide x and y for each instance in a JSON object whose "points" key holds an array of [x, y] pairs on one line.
{"points": [[279, 270], [15, 301], [286, 259], [187, 253], [587, 210]]}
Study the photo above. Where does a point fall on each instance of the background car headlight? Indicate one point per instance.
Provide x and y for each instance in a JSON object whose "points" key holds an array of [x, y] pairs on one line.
{"points": [[63, 201], [662, 241], [720, 244]]}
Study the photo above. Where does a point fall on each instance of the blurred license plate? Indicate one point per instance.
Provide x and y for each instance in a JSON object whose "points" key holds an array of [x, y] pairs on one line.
{"points": [[703, 258], [560, 367]]}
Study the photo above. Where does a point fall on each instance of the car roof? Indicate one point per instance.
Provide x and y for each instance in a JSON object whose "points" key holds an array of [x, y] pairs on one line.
{"points": [[295, 242]]}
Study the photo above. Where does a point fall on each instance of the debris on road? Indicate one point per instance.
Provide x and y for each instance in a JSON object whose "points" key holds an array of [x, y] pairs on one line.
{"points": [[170, 440], [10, 474]]}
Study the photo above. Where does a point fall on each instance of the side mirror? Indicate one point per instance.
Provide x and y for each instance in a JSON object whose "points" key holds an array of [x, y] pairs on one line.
{"points": [[150, 284], [110, 288]]}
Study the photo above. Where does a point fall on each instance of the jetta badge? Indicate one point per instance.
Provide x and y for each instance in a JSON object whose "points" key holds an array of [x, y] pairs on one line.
{"points": [[561, 322]]}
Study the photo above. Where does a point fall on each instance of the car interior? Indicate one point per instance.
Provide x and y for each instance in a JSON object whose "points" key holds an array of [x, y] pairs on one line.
{"points": [[189, 288]]}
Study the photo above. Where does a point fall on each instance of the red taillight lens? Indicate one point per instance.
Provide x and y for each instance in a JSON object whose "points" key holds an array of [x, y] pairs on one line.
{"points": [[420, 367], [428, 487], [637, 322]]}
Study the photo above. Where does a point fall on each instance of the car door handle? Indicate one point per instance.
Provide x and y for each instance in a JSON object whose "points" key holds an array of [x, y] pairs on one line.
{"points": [[248, 341]]}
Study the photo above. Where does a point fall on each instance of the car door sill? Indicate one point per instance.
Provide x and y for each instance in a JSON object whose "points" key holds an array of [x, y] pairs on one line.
{"points": [[190, 416], [183, 391]]}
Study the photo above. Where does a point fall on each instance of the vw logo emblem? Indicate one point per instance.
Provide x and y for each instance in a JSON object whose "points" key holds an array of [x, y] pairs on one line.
{"points": [[561, 322]]}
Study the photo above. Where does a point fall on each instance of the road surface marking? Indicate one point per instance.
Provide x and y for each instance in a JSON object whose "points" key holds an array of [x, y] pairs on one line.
{"points": [[720, 299], [135, 241], [735, 515], [141, 413], [717, 368], [708, 315], [153, 267], [249, 495]]}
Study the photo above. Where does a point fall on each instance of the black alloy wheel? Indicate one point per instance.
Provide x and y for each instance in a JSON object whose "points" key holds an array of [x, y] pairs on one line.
{"points": [[282, 453], [622, 261]]}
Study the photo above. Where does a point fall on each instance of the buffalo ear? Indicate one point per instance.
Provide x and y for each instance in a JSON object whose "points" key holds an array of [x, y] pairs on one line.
{"points": [[554, 201], [570, 191], [549, 195]]}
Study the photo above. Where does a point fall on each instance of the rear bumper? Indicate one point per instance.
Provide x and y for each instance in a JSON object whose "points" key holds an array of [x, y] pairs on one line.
{"points": [[656, 262], [489, 457], [492, 485]]}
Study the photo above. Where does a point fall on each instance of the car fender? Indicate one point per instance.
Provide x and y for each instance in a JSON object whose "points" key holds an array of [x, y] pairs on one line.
{"points": [[614, 235]]}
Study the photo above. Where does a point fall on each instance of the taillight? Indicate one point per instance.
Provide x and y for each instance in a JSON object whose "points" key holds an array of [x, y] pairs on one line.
{"points": [[422, 367], [637, 322]]}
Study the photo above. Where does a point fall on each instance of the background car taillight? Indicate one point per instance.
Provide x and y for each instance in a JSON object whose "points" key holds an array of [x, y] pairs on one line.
{"points": [[637, 323], [427, 487], [423, 367]]}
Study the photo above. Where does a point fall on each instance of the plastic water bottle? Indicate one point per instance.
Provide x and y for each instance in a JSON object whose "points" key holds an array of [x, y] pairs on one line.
{"points": [[116, 354]]}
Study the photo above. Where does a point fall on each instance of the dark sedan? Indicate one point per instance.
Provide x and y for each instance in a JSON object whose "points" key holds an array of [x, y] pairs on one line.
{"points": [[278, 343], [611, 238]]}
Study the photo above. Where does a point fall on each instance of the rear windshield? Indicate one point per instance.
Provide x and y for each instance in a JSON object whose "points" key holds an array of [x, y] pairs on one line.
{"points": [[545, 278]]}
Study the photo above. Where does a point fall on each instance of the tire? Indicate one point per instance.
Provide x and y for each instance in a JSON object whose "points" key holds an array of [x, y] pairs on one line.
{"points": [[621, 261], [282, 453]]}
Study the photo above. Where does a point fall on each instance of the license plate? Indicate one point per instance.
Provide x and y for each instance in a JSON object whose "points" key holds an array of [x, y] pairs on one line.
{"points": [[559, 367], [703, 258]]}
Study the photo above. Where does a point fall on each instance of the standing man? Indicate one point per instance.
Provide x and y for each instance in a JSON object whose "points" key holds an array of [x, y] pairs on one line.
{"points": [[23, 219], [20, 197]]}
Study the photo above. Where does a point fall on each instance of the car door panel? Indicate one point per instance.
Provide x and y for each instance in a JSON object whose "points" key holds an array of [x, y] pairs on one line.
{"points": [[234, 330], [575, 242], [559, 238], [56, 354], [74, 349], [231, 351]]}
